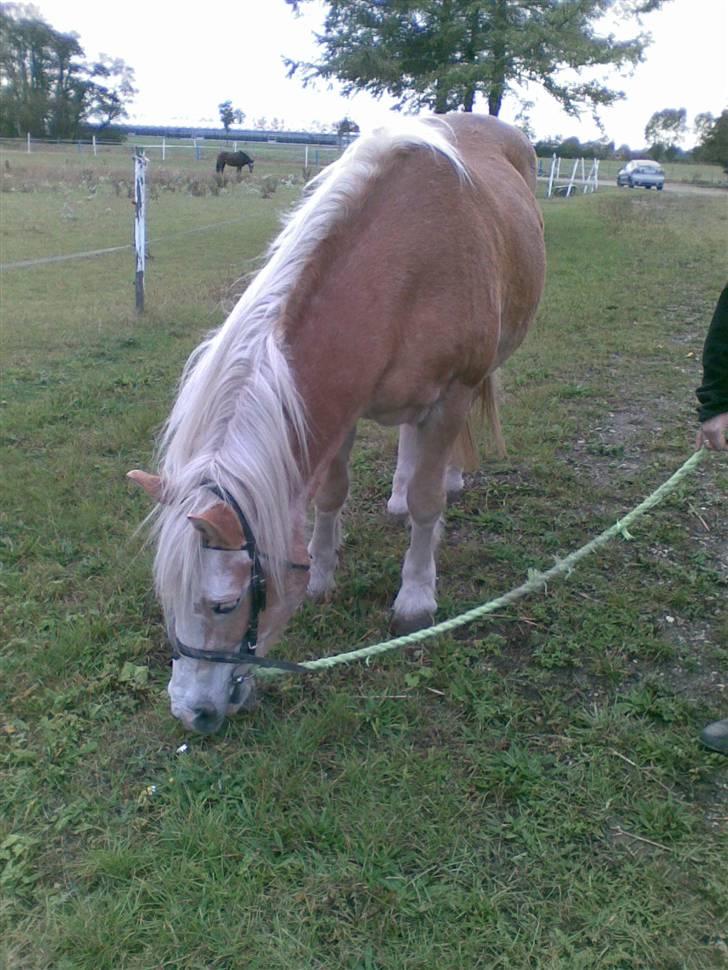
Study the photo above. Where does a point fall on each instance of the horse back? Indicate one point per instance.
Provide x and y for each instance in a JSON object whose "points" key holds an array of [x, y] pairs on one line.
{"points": [[430, 281]]}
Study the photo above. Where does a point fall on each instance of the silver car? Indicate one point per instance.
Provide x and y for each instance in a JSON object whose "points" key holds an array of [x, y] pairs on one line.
{"points": [[642, 171]]}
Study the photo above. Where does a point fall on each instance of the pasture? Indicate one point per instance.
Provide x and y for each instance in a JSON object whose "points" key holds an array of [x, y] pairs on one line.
{"points": [[528, 793]]}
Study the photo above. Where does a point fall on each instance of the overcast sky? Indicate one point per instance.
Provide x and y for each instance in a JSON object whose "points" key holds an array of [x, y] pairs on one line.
{"points": [[188, 57]]}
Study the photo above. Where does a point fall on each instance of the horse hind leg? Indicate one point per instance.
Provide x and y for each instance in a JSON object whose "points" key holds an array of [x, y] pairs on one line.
{"points": [[326, 537], [428, 450], [406, 458], [463, 457]]}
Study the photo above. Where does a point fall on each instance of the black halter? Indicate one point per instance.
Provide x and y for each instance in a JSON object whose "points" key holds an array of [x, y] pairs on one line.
{"points": [[244, 653]]}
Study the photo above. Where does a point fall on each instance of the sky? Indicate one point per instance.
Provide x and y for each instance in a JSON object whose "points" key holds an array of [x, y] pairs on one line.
{"points": [[189, 57]]}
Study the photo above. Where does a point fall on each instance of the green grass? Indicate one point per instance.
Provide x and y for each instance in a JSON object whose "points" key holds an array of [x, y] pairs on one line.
{"points": [[526, 794]]}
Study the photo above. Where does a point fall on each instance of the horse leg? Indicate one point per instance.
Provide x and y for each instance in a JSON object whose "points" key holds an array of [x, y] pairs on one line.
{"points": [[430, 448], [454, 483], [326, 538], [406, 458]]}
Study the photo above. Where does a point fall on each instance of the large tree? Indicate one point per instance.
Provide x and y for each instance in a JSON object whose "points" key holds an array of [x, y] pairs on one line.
{"points": [[665, 130], [443, 54], [228, 114], [713, 146], [47, 87]]}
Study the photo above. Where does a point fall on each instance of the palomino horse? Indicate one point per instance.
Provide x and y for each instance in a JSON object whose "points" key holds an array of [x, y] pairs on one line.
{"points": [[235, 160], [406, 277]]}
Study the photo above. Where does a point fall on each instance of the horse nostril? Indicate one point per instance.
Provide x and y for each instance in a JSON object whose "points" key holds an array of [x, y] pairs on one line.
{"points": [[206, 719]]}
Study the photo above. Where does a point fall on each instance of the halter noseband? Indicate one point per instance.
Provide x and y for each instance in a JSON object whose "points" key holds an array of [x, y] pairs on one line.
{"points": [[244, 653]]}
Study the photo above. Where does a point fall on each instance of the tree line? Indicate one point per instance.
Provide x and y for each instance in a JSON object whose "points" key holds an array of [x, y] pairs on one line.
{"points": [[663, 133], [47, 86]]}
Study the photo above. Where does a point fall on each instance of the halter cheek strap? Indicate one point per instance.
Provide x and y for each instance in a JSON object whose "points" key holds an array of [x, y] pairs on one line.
{"points": [[244, 653]]}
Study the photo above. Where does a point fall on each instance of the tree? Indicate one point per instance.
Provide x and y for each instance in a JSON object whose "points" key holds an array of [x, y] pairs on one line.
{"points": [[713, 146], [664, 131], [46, 86], [345, 127], [228, 115], [702, 124], [443, 54]]}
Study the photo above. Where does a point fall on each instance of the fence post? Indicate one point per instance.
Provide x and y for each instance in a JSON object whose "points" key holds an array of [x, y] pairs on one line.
{"points": [[28, 143], [570, 186], [140, 228], [552, 174], [164, 148]]}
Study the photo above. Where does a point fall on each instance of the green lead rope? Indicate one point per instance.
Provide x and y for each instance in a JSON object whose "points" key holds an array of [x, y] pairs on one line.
{"points": [[536, 581]]}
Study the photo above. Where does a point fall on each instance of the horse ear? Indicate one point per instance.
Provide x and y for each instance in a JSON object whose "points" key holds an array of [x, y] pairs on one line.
{"points": [[219, 527], [152, 484]]}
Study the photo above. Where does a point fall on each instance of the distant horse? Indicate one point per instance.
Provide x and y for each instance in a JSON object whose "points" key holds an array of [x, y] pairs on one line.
{"points": [[235, 160], [405, 278]]}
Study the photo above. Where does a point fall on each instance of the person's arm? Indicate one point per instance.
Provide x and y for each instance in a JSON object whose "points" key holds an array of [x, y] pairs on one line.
{"points": [[713, 392]]}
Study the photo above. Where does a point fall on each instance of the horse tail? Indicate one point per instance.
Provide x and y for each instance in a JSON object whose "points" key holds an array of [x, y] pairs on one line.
{"points": [[220, 164], [484, 410]]}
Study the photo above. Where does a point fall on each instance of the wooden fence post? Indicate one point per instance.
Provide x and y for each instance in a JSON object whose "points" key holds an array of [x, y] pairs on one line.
{"points": [[140, 228]]}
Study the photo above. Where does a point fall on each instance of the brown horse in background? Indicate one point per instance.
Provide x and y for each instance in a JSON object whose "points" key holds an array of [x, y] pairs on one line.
{"points": [[410, 272], [236, 160]]}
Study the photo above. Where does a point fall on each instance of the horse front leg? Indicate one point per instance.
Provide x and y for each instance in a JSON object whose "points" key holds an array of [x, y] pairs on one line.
{"points": [[326, 538], [429, 449]]}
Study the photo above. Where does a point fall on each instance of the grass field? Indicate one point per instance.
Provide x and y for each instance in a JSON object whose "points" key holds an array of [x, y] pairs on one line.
{"points": [[526, 794]]}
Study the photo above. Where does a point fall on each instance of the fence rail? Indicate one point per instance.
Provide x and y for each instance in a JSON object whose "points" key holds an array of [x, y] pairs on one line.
{"points": [[199, 148]]}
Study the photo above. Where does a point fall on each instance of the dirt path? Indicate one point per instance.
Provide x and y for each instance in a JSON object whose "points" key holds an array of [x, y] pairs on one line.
{"points": [[675, 188]]}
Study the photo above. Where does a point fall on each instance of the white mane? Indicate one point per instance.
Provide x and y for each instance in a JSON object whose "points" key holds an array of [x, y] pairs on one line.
{"points": [[238, 421]]}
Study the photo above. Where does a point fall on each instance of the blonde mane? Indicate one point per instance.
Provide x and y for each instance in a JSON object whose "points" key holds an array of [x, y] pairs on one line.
{"points": [[238, 421]]}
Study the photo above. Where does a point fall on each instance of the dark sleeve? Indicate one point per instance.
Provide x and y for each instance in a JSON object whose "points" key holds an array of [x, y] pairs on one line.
{"points": [[713, 392]]}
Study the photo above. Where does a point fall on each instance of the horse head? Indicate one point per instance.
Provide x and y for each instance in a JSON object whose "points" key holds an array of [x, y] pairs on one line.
{"points": [[223, 609]]}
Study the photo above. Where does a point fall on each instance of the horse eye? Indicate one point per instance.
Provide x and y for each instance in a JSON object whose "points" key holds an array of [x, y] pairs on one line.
{"points": [[220, 608]]}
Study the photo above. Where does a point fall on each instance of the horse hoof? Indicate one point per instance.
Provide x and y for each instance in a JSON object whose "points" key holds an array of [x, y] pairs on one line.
{"points": [[402, 626]]}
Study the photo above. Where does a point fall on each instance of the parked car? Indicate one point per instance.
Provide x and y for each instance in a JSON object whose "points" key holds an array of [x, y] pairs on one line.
{"points": [[641, 171]]}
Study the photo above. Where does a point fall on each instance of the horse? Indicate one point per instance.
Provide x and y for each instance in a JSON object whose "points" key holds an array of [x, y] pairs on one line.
{"points": [[235, 160], [409, 272]]}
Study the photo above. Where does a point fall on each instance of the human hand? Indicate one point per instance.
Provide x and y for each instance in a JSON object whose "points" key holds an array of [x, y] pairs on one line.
{"points": [[712, 433]]}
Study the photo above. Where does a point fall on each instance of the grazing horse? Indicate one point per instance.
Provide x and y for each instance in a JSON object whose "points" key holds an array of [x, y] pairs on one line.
{"points": [[407, 275], [234, 160]]}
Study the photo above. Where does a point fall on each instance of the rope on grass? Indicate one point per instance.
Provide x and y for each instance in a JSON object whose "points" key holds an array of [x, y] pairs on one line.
{"points": [[536, 581]]}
